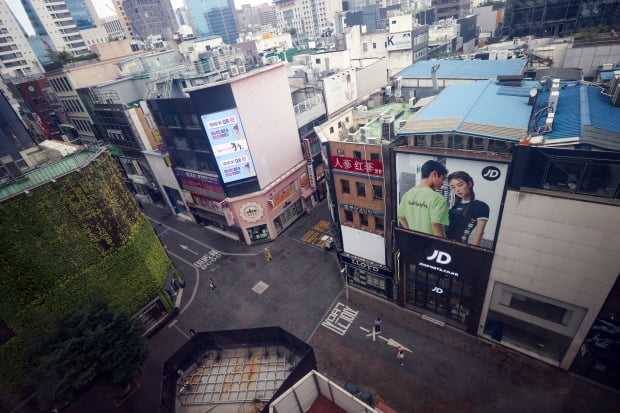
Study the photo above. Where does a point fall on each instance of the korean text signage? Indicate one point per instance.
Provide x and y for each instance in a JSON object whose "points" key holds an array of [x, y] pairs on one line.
{"points": [[466, 204], [230, 148], [361, 166], [362, 210]]}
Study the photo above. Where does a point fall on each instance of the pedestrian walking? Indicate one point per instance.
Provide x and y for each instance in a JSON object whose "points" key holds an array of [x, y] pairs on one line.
{"points": [[400, 355], [212, 284], [267, 255], [378, 325]]}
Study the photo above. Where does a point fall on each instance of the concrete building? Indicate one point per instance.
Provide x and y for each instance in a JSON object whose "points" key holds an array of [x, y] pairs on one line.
{"points": [[150, 18], [451, 8], [222, 153], [308, 17], [61, 23], [17, 58], [65, 80]]}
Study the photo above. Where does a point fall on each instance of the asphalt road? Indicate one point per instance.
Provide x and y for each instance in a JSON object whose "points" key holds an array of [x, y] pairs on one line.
{"points": [[301, 290]]}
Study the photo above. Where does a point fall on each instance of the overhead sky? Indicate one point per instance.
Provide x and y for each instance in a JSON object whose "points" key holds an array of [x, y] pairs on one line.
{"points": [[103, 11]]}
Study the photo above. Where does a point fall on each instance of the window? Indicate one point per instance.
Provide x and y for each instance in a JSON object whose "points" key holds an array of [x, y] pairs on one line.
{"points": [[374, 45], [348, 216], [361, 189], [379, 224], [346, 189], [331, 129], [339, 124], [340, 152], [374, 156], [357, 154], [365, 47], [377, 192], [364, 220]]}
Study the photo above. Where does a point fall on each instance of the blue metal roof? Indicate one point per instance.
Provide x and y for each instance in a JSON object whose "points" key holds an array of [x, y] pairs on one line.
{"points": [[464, 69], [484, 103], [583, 112]]}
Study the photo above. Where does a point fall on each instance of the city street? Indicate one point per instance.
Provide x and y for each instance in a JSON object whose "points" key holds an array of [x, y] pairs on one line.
{"points": [[301, 290]]}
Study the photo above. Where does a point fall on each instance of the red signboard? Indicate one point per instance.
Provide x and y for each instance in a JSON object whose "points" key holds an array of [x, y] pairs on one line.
{"points": [[361, 166]]}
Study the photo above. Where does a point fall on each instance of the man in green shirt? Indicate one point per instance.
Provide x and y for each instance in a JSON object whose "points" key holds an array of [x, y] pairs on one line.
{"points": [[422, 208]]}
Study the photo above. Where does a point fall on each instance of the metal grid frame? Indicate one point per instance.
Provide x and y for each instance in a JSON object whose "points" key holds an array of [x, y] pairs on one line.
{"points": [[236, 376]]}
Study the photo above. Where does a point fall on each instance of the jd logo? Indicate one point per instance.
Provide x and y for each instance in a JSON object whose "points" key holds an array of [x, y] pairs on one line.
{"points": [[440, 257], [491, 173]]}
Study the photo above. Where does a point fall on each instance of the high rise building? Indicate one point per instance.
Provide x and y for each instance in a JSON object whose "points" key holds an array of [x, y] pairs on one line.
{"points": [[311, 17], [16, 56], [553, 17], [150, 18], [58, 24], [214, 18], [457, 9]]}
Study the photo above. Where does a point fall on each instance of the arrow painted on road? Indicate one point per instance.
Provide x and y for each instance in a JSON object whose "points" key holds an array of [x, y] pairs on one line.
{"points": [[185, 247], [394, 343]]}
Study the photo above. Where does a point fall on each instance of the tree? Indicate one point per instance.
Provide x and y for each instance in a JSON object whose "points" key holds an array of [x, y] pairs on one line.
{"points": [[61, 57], [94, 342]]}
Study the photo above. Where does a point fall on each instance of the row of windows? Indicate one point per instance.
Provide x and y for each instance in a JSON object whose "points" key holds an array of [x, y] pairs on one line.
{"points": [[9, 47], [374, 156], [363, 220], [172, 120], [60, 84], [6, 39], [377, 190], [15, 64], [10, 56], [72, 105], [82, 125]]}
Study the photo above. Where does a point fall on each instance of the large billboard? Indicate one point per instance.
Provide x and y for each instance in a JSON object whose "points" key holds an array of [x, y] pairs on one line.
{"points": [[230, 148], [464, 207], [398, 41], [340, 90]]}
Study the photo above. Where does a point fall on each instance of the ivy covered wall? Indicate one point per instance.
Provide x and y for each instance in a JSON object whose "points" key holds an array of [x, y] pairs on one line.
{"points": [[67, 242]]}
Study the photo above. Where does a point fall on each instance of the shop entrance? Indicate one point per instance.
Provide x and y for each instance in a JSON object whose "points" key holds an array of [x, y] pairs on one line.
{"points": [[444, 295]]}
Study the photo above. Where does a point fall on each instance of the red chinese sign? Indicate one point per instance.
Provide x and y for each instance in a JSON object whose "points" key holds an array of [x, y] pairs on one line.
{"points": [[361, 166]]}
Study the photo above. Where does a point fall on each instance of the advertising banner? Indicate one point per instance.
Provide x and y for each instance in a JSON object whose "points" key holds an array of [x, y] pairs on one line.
{"points": [[230, 148], [464, 207], [398, 41]]}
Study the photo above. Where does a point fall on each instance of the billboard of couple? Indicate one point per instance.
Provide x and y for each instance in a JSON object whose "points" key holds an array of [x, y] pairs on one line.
{"points": [[453, 198]]}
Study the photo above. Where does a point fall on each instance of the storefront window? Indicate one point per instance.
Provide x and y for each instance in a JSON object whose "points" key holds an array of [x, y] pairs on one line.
{"points": [[366, 280], [258, 233], [439, 293], [288, 216]]}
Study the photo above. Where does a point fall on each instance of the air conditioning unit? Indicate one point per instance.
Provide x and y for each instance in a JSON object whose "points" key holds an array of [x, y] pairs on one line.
{"points": [[241, 69], [388, 91], [371, 140], [412, 102], [459, 142], [364, 131], [361, 108], [350, 137], [225, 76], [234, 70]]}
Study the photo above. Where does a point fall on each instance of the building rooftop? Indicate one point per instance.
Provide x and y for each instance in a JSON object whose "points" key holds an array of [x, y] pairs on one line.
{"points": [[46, 172], [486, 109], [464, 69], [584, 112], [234, 370]]}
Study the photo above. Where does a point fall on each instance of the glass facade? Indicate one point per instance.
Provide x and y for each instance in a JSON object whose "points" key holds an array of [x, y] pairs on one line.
{"points": [[80, 13], [214, 18], [558, 17]]}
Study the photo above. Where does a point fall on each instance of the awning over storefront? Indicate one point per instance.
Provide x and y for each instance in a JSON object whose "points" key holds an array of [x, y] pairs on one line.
{"points": [[308, 193]]}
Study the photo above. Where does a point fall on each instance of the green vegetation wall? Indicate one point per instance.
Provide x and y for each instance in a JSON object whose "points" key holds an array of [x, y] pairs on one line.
{"points": [[67, 242]]}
